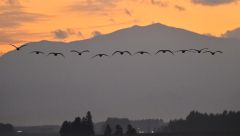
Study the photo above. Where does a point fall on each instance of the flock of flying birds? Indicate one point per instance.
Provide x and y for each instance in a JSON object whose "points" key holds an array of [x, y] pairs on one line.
{"points": [[80, 53]]}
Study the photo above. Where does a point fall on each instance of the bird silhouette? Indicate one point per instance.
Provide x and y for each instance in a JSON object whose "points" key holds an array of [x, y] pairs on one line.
{"points": [[198, 51], [37, 52], [18, 48], [213, 52], [184, 51], [164, 51], [122, 53], [80, 52], [56, 54], [100, 55], [142, 52]]}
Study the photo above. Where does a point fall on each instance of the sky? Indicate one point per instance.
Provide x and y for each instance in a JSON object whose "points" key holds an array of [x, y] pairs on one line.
{"points": [[24, 21]]}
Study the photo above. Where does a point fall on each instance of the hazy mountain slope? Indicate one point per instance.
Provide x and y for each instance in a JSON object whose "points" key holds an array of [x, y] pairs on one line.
{"points": [[41, 89]]}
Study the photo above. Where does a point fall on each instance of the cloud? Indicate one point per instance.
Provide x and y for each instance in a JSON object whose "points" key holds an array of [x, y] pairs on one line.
{"points": [[96, 33], [127, 12], [19, 36], [17, 18], [6, 37], [232, 34], [112, 20], [12, 14], [180, 8], [160, 3], [64, 34], [91, 6], [213, 2], [60, 34]]}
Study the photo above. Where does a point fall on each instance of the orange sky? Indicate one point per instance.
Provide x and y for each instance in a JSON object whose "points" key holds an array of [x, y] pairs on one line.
{"points": [[67, 20]]}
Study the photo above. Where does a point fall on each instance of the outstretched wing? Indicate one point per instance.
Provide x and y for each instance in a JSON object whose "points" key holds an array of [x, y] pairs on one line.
{"points": [[75, 51], [145, 52], [116, 52], [23, 46], [170, 52], [95, 56], [207, 52], [61, 55], [204, 49], [158, 52], [50, 53], [128, 52], [194, 50], [219, 51], [13, 45], [85, 51], [137, 52]]}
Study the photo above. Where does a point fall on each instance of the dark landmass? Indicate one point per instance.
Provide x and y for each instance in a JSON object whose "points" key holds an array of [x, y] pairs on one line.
{"points": [[226, 123]]}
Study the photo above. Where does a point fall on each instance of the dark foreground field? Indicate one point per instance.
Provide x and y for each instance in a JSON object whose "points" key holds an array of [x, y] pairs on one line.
{"points": [[156, 134]]}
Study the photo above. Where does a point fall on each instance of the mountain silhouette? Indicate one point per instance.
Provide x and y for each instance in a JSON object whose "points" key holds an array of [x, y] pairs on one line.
{"points": [[146, 86]]}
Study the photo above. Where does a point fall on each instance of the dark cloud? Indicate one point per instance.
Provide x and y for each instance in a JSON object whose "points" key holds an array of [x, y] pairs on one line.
{"points": [[63, 34], [180, 8], [127, 12], [93, 5], [232, 34], [160, 3], [17, 18], [96, 33], [13, 2], [213, 2], [12, 14], [60, 34]]}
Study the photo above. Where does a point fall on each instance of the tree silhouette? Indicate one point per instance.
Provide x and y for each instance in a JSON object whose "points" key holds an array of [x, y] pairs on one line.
{"points": [[90, 123], [118, 131], [108, 131], [130, 130], [78, 127], [202, 122], [7, 130]]}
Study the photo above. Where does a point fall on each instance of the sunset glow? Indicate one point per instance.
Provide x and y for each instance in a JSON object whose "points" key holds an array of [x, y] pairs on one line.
{"points": [[68, 20]]}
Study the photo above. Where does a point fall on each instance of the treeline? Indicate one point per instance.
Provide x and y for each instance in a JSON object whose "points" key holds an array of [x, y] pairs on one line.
{"points": [[228, 121], [7, 130], [119, 131], [78, 127], [85, 127]]}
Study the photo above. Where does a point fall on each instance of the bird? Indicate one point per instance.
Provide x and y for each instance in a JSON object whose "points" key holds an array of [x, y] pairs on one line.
{"points": [[142, 52], [199, 51], [122, 52], [18, 48], [164, 51], [56, 54], [80, 52], [100, 55], [213, 52], [184, 51], [38, 52]]}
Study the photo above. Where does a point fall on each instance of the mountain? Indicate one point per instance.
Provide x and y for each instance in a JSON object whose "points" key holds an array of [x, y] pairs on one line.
{"points": [[44, 89]]}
